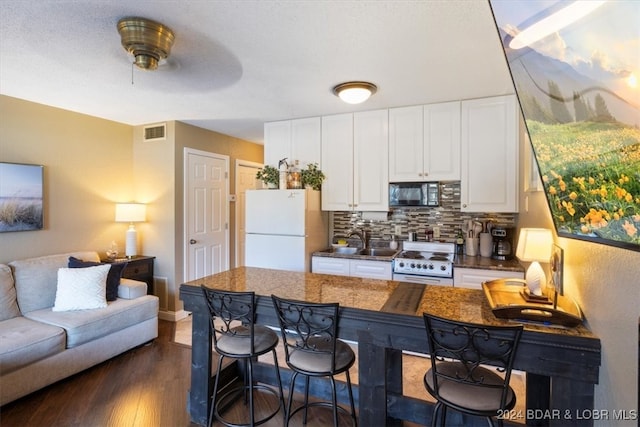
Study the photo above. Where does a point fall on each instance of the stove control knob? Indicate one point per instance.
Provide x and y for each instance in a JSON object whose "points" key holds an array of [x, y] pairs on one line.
{"points": [[413, 265], [430, 266], [401, 264], [443, 267]]}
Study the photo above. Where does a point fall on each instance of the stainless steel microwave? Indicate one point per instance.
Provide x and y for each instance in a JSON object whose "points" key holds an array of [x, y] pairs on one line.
{"points": [[414, 194]]}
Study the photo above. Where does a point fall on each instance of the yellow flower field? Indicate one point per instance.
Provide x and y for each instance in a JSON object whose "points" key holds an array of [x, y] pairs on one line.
{"points": [[591, 174]]}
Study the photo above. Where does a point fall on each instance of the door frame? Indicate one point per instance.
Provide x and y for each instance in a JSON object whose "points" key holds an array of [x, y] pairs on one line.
{"points": [[240, 162], [185, 204]]}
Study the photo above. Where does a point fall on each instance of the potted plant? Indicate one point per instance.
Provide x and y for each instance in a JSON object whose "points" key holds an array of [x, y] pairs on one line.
{"points": [[312, 176], [269, 175]]}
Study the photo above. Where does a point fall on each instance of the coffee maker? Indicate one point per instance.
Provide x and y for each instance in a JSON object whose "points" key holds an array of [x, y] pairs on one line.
{"points": [[503, 248]]}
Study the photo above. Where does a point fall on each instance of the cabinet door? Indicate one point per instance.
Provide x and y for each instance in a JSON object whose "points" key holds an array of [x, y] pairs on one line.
{"points": [[305, 141], [371, 161], [370, 269], [406, 144], [337, 162], [472, 278], [327, 265], [442, 141], [277, 142], [489, 180]]}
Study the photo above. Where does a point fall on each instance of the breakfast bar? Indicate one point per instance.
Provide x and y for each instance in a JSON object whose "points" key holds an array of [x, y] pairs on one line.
{"points": [[385, 318]]}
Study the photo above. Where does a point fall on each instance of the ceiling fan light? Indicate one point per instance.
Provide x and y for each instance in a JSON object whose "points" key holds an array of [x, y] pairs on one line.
{"points": [[148, 41], [355, 92]]}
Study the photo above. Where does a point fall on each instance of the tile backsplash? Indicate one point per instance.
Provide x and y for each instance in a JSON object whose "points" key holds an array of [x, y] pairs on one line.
{"points": [[447, 217]]}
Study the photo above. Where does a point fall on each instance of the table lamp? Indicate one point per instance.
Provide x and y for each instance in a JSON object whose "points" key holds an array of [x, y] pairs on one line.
{"points": [[534, 245], [131, 212]]}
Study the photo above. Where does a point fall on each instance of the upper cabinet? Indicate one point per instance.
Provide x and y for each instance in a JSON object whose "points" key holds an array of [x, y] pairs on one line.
{"points": [[424, 143], [294, 140], [489, 179], [355, 161]]}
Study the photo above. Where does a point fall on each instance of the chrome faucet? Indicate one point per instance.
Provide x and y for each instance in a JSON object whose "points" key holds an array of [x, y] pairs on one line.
{"points": [[362, 234]]}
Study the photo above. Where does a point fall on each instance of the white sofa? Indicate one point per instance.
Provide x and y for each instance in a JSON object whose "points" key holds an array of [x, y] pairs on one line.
{"points": [[39, 346]]}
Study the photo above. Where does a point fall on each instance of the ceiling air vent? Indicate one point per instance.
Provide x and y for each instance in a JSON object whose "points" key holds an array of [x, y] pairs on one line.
{"points": [[155, 132]]}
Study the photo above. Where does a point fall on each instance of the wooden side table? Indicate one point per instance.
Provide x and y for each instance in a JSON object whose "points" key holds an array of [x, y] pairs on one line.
{"points": [[139, 267]]}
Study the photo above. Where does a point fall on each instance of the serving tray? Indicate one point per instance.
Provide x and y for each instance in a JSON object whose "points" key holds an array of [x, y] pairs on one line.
{"points": [[507, 300]]}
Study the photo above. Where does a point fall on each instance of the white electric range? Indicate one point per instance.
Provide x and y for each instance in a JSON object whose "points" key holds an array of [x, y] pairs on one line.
{"points": [[429, 263]]}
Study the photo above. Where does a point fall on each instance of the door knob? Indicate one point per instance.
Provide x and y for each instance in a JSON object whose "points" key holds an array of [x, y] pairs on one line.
{"points": [[192, 241]]}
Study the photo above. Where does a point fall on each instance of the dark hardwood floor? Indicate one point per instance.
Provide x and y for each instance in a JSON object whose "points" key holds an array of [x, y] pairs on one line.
{"points": [[144, 387]]}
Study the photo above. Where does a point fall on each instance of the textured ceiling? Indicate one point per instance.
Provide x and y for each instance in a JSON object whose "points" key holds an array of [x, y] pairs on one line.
{"points": [[236, 64]]}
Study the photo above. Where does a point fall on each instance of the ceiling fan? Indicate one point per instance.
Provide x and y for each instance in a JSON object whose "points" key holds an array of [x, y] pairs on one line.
{"points": [[148, 41]]}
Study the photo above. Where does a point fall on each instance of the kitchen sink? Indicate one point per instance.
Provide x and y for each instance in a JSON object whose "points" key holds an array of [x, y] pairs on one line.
{"points": [[345, 250], [378, 252]]}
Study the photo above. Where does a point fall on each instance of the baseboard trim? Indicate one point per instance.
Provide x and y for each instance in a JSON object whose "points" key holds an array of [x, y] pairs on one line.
{"points": [[173, 316]]}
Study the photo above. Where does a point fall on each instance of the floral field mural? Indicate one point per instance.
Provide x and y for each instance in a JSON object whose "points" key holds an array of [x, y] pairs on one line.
{"points": [[577, 83]]}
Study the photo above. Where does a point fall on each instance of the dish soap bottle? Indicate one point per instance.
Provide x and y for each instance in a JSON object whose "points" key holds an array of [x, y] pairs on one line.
{"points": [[393, 244]]}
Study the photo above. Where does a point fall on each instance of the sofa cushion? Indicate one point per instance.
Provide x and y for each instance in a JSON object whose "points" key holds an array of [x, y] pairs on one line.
{"points": [[81, 288], [86, 325], [113, 278], [8, 303], [36, 278], [24, 341], [130, 289]]}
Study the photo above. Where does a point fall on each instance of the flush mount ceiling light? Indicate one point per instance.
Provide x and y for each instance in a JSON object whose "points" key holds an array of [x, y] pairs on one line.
{"points": [[148, 41], [355, 92]]}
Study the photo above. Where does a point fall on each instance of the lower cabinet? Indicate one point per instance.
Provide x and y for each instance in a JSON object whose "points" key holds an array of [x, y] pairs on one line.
{"points": [[473, 277], [352, 267]]}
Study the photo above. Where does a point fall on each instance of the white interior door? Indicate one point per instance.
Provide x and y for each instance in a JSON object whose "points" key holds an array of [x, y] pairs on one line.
{"points": [[245, 180], [206, 213]]}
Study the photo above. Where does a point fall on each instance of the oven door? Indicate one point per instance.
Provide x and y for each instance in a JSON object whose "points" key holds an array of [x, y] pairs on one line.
{"points": [[425, 280]]}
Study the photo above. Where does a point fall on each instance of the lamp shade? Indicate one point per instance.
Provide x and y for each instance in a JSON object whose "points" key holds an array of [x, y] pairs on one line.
{"points": [[534, 244], [131, 212]]}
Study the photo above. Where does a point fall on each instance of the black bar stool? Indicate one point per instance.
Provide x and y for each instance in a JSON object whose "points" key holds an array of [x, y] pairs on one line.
{"points": [[457, 378], [236, 335], [312, 348]]}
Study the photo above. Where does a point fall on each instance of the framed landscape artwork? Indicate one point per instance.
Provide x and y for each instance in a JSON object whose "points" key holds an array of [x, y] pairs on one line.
{"points": [[576, 70], [21, 199]]}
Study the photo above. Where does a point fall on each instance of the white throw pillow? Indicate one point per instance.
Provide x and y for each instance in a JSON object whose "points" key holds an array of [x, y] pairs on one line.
{"points": [[81, 288]]}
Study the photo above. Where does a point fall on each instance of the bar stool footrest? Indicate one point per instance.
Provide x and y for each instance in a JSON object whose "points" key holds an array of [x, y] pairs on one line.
{"points": [[239, 391]]}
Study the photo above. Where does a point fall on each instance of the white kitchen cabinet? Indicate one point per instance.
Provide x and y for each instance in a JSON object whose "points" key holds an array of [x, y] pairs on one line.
{"points": [[424, 143], [473, 277], [370, 269], [355, 161], [489, 179], [328, 265], [294, 140], [364, 268]]}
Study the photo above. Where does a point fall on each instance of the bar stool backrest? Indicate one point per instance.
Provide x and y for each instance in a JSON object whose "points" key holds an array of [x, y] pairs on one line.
{"points": [[472, 345], [308, 327], [232, 314]]}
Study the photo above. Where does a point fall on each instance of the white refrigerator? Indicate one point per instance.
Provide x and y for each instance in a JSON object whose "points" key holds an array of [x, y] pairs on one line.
{"points": [[283, 228]]}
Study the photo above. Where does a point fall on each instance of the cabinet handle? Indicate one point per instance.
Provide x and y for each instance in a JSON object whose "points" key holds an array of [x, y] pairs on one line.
{"points": [[464, 206], [420, 174], [192, 241]]}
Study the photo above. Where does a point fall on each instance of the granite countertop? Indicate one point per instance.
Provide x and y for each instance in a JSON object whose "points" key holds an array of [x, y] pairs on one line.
{"points": [[330, 253], [467, 305], [463, 261], [460, 261]]}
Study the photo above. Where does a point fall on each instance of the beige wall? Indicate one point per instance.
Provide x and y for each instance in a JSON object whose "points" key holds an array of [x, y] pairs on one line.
{"points": [[87, 169], [90, 164], [605, 281], [158, 172]]}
